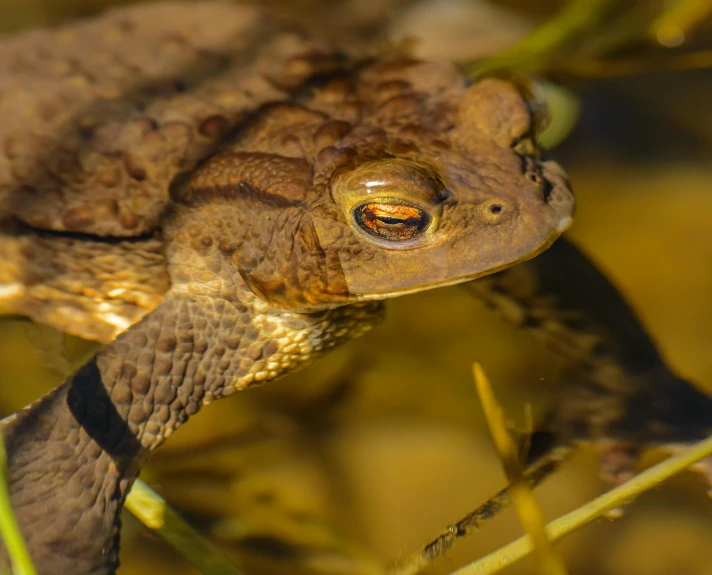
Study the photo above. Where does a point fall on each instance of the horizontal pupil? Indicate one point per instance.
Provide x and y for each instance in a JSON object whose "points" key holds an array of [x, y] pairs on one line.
{"points": [[391, 220]]}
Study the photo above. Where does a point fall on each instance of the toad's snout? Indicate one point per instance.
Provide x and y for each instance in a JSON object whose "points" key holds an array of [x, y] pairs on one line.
{"points": [[558, 195]]}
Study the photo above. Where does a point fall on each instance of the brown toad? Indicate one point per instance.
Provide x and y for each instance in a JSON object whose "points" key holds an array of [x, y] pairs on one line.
{"points": [[255, 195]]}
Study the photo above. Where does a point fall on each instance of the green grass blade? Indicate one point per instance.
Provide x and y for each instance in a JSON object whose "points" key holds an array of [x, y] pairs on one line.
{"points": [[9, 529]]}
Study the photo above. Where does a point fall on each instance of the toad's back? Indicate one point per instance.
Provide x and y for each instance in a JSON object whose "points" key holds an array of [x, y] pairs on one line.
{"points": [[98, 118]]}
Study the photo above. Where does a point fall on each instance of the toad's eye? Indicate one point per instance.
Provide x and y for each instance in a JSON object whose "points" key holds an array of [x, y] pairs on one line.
{"points": [[391, 219]]}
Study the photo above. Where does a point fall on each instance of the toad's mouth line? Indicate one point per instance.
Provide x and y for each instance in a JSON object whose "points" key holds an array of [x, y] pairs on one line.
{"points": [[439, 284], [564, 223]]}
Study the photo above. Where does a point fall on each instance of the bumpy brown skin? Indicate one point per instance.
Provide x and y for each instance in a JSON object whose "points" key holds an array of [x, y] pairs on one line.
{"points": [[92, 287], [98, 118], [267, 263], [73, 455]]}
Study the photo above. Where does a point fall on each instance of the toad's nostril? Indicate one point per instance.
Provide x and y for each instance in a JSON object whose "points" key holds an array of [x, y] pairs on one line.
{"points": [[495, 209]]}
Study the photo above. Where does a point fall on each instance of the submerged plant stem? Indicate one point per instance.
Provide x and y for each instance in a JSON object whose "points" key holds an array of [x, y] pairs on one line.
{"points": [[513, 552], [471, 522]]}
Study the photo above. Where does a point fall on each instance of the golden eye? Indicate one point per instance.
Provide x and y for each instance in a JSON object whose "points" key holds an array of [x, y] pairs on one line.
{"points": [[391, 219]]}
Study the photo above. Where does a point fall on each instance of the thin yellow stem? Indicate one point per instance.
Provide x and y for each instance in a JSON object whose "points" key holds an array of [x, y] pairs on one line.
{"points": [[510, 554], [530, 514], [153, 511]]}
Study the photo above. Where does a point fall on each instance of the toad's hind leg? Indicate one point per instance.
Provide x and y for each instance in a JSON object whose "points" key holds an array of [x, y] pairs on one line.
{"points": [[618, 392], [91, 287]]}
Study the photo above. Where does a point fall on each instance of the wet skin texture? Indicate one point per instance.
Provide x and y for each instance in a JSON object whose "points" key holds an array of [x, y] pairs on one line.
{"points": [[223, 200]]}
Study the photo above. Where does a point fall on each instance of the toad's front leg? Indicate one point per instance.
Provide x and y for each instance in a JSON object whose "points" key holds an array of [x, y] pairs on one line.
{"points": [[618, 392], [73, 455]]}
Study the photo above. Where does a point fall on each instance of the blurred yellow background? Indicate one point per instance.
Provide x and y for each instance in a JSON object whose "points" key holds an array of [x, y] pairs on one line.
{"points": [[373, 450]]}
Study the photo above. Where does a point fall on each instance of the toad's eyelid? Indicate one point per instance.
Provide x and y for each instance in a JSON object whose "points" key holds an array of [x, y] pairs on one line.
{"points": [[375, 184], [394, 177], [378, 186]]}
